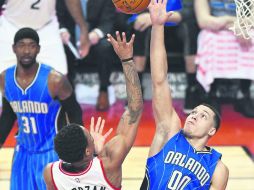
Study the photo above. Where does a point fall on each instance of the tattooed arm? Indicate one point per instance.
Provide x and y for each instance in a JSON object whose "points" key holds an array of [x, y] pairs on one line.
{"points": [[119, 146]]}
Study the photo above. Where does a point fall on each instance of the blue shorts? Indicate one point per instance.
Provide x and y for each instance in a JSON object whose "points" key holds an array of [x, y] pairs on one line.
{"points": [[27, 169]]}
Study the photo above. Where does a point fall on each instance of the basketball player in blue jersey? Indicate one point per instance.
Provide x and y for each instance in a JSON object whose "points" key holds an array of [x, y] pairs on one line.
{"points": [[179, 158], [39, 98], [78, 168]]}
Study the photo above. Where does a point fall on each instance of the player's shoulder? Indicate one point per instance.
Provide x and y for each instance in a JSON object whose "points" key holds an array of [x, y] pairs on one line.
{"points": [[221, 168], [47, 175], [58, 84], [56, 77], [2, 75], [220, 176], [2, 79]]}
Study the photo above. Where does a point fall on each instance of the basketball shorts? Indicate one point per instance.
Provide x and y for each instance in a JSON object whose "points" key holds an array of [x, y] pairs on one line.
{"points": [[51, 52], [27, 169]]}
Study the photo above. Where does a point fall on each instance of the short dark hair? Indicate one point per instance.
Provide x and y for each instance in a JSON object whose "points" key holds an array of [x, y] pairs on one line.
{"points": [[70, 143], [217, 117], [26, 33]]}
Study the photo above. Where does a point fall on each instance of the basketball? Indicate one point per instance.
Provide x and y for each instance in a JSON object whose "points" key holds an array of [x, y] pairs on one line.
{"points": [[131, 6]]}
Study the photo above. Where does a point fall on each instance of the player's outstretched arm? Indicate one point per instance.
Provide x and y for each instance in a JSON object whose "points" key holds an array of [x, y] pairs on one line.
{"points": [[166, 119], [118, 147], [220, 177], [61, 89]]}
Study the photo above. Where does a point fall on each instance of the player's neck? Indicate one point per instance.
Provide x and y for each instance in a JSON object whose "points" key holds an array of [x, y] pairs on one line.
{"points": [[26, 76], [27, 71], [198, 144], [81, 165]]}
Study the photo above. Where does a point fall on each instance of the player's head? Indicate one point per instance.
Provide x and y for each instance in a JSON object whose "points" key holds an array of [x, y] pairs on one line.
{"points": [[73, 143], [26, 46], [204, 120]]}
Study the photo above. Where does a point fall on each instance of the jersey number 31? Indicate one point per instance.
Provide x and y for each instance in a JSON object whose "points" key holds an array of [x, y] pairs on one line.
{"points": [[29, 125]]}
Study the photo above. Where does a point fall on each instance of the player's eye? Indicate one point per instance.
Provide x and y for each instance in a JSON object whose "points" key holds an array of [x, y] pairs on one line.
{"points": [[203, 116], [20, 45], [193, 112]]}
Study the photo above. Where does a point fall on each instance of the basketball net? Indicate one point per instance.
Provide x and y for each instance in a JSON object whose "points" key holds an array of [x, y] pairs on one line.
{"points": [[244, 23]]}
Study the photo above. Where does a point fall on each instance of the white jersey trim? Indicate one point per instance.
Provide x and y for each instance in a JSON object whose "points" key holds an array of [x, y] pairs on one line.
{"points": [[81, 173], [105, 177], [76, 173]]}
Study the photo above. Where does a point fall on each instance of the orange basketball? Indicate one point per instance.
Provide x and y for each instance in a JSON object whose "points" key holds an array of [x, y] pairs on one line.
{"points": [[131, 6]]}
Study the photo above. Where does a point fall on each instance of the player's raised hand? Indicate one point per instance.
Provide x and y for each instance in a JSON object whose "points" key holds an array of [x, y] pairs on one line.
{"points": [[123, 49], [158, 13], [96, 132]]}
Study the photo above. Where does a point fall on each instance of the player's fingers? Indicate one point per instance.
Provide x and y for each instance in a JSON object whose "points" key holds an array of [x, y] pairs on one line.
{"points": [[102, 126], [150, 4], [132, 39], [98, 124], [118, 37], [123, 37], [108, 133], [160, 1], [92, 125], [153, 2], [111, 39], [164, 2]]}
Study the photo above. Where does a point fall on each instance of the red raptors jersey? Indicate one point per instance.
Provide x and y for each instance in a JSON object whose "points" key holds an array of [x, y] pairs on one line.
{"points": [[91, 178]]}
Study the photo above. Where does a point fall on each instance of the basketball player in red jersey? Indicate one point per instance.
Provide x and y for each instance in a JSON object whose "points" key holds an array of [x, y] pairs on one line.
{"points": [[75, 145]]}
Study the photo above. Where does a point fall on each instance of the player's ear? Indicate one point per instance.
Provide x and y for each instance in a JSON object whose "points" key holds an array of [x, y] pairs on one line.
{"points": [[39, 49], [14, 48], [212, 131], [88, 152]]}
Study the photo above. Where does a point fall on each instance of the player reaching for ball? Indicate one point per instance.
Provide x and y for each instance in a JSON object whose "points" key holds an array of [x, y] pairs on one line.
{"points": [[75, 145], [179, 159]]}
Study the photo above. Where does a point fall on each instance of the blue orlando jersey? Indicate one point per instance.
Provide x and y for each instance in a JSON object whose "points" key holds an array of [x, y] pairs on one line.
{"points": [[36, 111], [178, 166]]}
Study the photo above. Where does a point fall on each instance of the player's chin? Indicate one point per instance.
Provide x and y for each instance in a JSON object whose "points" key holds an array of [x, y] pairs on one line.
{"points": [[187, 130], [189, 127], [26, 63]]}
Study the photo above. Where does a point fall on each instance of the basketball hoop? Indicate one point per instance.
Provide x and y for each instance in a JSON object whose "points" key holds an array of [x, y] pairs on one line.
{"points": [[244, 23]]}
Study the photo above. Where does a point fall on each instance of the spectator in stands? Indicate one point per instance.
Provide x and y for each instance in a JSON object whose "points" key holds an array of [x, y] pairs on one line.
{"points": [[100, 16], [67, 32], [221, 54]]}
